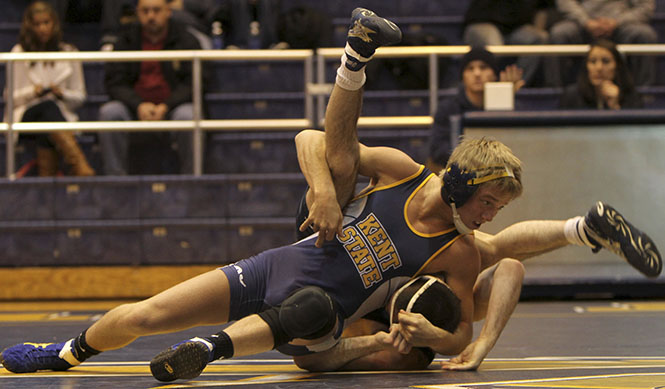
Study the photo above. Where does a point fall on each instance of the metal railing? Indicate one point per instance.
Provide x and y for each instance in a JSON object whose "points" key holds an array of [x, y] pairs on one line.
{"points": [[197, 125], [312, 90]]}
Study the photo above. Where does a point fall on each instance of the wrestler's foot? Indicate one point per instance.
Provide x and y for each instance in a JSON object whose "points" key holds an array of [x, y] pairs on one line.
{"points": [[607, 228], [184, 360], [367, 32], [30, 357]]}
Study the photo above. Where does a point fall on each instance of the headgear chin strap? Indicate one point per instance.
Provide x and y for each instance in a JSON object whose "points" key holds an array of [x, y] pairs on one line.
{"points": [[459, 224], [459, 185]]}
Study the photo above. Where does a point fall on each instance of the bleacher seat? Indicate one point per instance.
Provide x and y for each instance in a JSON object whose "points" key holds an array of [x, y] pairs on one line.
{"points": [[107, 198], [265, 152], [249, 77], [287, 105], [145, 220]]}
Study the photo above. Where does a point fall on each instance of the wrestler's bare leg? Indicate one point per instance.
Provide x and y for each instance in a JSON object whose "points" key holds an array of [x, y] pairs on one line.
{"points": [[521, 241]]}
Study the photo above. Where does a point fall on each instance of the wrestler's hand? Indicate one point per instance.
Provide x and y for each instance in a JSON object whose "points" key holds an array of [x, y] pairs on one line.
{"points": [[387, 339], [325, 217], [417, 330], [513, 73], [393, 339], [470, 358]]}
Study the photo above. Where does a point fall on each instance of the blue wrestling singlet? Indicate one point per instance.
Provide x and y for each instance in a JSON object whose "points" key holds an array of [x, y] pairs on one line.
{"points": [[377, 252]]}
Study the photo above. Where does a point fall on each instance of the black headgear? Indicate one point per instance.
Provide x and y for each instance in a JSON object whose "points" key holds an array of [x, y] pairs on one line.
{"points": [[430, 297], [459, 185]]}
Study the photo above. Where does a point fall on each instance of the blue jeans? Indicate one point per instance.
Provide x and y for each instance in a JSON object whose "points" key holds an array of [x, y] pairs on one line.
{"points": [[115, 145]]}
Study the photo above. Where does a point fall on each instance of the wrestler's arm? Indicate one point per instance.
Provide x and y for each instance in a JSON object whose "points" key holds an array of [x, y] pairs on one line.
{"points": [[383, 164], [325, 214], [363, 353]]}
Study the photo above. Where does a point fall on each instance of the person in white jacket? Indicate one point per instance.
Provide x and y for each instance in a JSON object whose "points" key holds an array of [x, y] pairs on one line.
{"points": [[49, 91]]}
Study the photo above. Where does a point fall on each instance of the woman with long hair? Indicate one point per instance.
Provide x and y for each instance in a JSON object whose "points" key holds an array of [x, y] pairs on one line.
{"points": [[604, 81], [49, 91]]}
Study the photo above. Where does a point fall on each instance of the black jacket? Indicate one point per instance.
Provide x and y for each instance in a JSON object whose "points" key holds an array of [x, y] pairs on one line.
{"points": [[120, 77], [573, 99]]}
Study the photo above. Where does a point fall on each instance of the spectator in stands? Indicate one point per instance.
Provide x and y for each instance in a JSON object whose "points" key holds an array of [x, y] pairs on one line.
{"points": [[622, 21], [49, 91], [250, 24], [479, 66], [197, 16], [111, 15], [148, 90], [604, 82], [512, 22]]}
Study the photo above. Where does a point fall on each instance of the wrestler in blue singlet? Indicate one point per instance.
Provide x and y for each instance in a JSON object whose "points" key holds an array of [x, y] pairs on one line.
{"points": [[377, 252]]}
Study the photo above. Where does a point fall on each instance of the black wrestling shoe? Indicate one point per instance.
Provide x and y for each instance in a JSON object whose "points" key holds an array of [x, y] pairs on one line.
{"points": [[606, 228], [184, 360], [367, 32]]}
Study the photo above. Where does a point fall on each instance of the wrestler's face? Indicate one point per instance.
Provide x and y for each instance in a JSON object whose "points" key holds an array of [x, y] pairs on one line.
{"points": [[42, 26], [600, 66], [153, 15], [483, 206], [476, 74]]}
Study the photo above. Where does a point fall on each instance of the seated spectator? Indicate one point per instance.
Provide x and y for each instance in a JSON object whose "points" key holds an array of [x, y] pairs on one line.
{"points": [[499, 22], [251, 24], [196, 15], [49, 91], [604, 82], [479, 67], [148, 90], [111, 15], [621, 21]]}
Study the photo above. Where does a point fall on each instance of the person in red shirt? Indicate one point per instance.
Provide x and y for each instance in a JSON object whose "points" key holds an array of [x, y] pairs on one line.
{"points": [[148, 90]]}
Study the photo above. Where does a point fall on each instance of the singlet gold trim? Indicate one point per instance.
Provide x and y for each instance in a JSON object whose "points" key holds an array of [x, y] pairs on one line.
{"points": [[406, 218], [445, 246], [392, 185]]}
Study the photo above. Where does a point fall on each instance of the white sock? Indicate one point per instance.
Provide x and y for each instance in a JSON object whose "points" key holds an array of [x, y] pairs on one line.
{"points": [[574, 232], [347, 78], [67, 354]]}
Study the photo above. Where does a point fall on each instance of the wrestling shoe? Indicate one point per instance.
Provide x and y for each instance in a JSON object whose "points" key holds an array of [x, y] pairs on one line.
{"points": [[367, 32], [30, 357], [184, 360], [607, 228]]}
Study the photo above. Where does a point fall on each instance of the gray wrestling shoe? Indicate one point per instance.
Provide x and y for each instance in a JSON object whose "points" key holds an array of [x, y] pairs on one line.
{"points": [[367, 32], [607, 228], [184, 360]]}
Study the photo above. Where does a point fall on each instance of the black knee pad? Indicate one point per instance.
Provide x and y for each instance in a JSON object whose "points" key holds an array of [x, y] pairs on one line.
{"points": [[308, 313], [271, 317]]}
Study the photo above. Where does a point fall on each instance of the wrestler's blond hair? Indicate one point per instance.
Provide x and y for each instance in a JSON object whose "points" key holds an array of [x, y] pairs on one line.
{"points": [[485, 157]]}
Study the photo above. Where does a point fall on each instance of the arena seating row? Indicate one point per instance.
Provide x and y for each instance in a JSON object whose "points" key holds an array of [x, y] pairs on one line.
{"points": [[146, 219], [167, 219]]}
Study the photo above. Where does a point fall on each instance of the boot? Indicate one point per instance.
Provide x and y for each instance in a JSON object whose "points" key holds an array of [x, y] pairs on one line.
{"points": [[66, 144], [47, 162]]}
